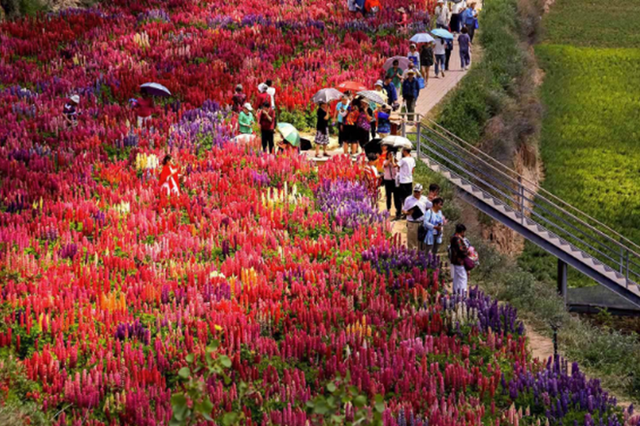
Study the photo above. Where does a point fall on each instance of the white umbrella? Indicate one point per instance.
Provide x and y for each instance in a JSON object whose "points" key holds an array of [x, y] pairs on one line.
{"points": [[372, 95], [422, 38], [326, 95], [397, 142]]}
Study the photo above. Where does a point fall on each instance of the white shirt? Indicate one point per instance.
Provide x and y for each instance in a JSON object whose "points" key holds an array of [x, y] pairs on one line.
{"points": [[440, 48], [458, 7], [406, 165], [411, 202]]}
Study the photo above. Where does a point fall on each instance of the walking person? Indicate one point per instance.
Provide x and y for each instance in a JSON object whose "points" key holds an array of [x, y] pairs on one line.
{"points": [[238, 99], [405, 167], [383, 122], [363, 124], [246, 120], [458, 252], [390, 89], [395, 73], [433, 221], [414, 55], [442, 14], [389, 173], [448, 49], [267, 120], [440, 52], [414, 208], [470, 19], [464, 44], [456, 17], [426, 60], [322, 129], [410, 93], [144, 108], [339, 115]]}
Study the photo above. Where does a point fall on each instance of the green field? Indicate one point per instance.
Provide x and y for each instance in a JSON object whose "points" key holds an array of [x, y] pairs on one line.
{"points": [[590, 141]]}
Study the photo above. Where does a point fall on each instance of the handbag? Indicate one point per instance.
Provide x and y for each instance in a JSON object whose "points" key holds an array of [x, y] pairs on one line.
{"points": [[363, 123], [421, 83]]}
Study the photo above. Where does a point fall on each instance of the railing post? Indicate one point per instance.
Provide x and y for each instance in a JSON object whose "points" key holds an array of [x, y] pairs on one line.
{"points": [[621, 256], [521, 193], [562, 280], [404, 126], [627, 268], [418, 139]]}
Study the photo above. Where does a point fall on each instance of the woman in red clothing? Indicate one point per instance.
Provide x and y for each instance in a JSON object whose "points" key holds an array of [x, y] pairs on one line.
{"points": [[144, 108], [169, 176]]}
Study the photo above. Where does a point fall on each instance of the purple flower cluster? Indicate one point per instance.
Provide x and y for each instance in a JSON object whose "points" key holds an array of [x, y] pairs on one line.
{"points": [[349, 203], [205, 125], [135, 330], [500, 318], [215, 293], [154, 15], [69, 251], [396, 258], [564, 398]]}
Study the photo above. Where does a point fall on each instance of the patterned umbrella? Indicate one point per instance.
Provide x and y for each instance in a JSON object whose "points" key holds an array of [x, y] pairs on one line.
{"points": [[351, 86], [326, 95], [371, 95], [155, 89], [403, 62], [289, 133]]}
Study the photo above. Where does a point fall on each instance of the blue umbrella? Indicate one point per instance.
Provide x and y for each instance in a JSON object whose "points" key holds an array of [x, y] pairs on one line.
{"points": [[422, 38], [439, 32], [155, 89]]}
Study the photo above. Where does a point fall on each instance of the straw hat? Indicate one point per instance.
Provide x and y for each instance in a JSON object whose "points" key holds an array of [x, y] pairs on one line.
{"points": [[75, 99]]}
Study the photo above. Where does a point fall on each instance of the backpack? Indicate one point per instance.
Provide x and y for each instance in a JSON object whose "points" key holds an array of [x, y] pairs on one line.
{"points": [[422, 230]]}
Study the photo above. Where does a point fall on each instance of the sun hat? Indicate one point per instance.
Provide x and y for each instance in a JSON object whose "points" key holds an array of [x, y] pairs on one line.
{"points": [[75, 99], [413, 45], [379, 83], [248, 106], [239, 87], [262, 87], [417, 188], [410, 72]]}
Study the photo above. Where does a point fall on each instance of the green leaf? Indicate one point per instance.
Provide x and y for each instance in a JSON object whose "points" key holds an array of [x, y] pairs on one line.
{"points": [[179, 406], [360, 401], [189, 358], [184, 372], [229, 418], [225, 361], [379, 407], [331, 387]]}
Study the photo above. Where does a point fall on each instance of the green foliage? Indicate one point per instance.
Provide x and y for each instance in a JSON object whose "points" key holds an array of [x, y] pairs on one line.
{"points": [[493, 80], [17, 8], [192, 405], [340, 395]]}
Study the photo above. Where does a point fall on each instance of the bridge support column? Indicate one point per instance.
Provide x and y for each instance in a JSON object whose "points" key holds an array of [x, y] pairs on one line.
{"points": [[562, 280]]}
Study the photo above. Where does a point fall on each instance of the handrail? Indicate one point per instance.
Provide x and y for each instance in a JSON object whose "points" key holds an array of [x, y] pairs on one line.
{"points": [[471, 162], [539, 189]]}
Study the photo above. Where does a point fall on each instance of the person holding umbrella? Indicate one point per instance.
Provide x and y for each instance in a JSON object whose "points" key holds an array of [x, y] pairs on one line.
{"points": [[322, 129], [389, 173], [144, 108], [267, 120], [246, 120], [410, 92], [351, 131], [395, 73], [426, 60]]}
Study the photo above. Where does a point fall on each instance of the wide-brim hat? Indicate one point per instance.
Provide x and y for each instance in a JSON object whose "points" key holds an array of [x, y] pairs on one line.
{"points": [[75, 99]]}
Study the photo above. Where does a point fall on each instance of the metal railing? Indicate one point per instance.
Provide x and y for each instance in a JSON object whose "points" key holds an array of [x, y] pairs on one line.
{"points": [[532, 204]]}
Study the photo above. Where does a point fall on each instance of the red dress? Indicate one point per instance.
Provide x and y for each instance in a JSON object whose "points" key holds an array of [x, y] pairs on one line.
{"points": [[169, 180]]}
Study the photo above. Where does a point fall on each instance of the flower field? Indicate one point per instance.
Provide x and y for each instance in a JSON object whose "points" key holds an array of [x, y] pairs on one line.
{"points": [[269, 292]]}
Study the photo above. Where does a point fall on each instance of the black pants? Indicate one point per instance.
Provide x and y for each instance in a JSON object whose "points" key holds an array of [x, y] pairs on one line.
{"points": [[267, 140], [447, 56], [405, 190], [392, 193], [472, 31], [373, 130]]}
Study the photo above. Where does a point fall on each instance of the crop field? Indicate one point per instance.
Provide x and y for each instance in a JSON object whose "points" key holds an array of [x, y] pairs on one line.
{"points": [[590, 134]]}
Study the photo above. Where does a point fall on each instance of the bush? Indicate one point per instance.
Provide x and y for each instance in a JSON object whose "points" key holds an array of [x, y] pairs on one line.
{"points": [[17, 8]]}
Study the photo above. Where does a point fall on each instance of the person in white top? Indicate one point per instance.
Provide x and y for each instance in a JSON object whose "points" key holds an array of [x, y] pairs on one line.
{"points": [[442, 15], [414, 55], [456, 18], [405, 174], [414, 208], [440, 51], [413, 68]]}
